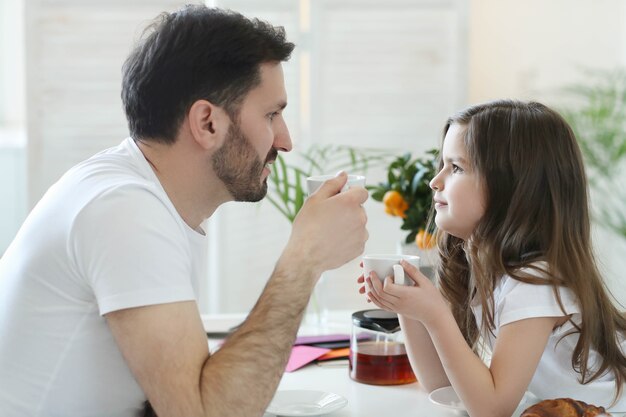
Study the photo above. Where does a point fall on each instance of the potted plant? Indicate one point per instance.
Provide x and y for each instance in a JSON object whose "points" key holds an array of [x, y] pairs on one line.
{"points": [[597, 114], [407, 194]]}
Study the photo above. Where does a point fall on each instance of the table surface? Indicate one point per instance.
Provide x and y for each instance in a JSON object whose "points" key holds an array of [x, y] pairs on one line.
{"points": [[409, 400]]}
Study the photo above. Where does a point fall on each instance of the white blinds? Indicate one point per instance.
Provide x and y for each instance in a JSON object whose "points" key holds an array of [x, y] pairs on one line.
{"points": [[387, 74], [75, 50]]}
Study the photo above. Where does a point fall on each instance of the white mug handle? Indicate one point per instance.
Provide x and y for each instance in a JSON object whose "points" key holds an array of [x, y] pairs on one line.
{"points": [[398, 274]]}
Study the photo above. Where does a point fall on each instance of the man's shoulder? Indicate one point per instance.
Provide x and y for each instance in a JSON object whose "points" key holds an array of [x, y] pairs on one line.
{"points": [[124, 161], [114, 182], [122, 167]]}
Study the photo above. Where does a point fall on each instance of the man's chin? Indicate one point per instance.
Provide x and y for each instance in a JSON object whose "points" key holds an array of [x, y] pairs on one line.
{"points": [[253, 197], [263, 191]]}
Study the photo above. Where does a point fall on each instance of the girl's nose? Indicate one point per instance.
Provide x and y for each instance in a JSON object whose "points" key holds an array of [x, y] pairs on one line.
{"points": [[435, 182]]}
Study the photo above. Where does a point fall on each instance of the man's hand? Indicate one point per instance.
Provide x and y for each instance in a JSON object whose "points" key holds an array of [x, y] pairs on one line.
{"points": [[330, 228]]}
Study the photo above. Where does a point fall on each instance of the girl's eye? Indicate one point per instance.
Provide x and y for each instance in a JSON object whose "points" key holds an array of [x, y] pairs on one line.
{"points": [[456, 168]]}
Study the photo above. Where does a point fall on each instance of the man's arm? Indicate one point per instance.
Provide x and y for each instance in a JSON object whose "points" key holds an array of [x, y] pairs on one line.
{"points": [[165, 345], [166, 349]]}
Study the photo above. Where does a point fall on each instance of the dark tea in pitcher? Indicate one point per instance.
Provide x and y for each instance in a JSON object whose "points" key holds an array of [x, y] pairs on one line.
{"points": [[381, 363], [377, 352]]}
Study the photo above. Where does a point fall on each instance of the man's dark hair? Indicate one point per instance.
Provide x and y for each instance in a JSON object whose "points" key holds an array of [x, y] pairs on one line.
{"points": [[195, 53]]}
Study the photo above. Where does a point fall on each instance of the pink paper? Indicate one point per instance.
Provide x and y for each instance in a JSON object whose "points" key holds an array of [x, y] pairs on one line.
{"points": [[301, 355]]}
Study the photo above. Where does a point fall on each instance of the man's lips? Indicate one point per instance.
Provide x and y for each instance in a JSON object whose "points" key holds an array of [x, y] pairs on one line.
{"points": [[267, 167], [271, 156]]}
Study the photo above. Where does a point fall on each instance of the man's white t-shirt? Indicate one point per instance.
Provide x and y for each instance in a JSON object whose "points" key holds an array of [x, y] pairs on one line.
{"points": [[105, 237], [554, 378]]}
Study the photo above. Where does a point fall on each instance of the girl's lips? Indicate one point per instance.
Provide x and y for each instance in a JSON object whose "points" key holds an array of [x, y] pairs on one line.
{"points": [[440, 204]]}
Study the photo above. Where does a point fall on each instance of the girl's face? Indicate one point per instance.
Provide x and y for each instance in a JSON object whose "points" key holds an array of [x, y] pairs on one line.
{"points": [[459, 194]]}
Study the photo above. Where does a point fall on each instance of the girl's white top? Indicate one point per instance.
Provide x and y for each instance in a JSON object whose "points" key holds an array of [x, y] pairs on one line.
{"points": [[554, 378]]}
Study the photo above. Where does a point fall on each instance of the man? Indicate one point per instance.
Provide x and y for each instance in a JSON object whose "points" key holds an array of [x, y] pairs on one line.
{"points": [[97, 306]]}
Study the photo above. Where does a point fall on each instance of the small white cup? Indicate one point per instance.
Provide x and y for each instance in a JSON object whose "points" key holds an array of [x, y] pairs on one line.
{"points": [[385, 265], [314, 182]]}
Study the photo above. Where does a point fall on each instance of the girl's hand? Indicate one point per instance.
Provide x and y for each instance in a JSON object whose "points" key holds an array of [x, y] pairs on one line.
{"points": [[420, 302]]}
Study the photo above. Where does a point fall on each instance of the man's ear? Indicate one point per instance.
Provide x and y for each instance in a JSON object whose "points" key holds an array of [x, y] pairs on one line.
{"points": [[208, 124]]}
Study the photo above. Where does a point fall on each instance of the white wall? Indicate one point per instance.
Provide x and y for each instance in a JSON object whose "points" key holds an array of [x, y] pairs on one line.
{"points": [[533, 48]]}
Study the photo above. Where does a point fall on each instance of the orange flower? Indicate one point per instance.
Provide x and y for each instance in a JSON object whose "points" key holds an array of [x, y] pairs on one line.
{"points": [[395, 204], [401, 210], [424, 240]]}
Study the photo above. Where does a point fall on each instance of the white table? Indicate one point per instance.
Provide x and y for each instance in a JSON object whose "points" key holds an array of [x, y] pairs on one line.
{"points": [[364, 400]]}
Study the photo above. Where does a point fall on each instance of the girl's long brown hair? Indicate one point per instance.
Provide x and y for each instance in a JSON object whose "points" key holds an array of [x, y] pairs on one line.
{"points": [[536, 210]]}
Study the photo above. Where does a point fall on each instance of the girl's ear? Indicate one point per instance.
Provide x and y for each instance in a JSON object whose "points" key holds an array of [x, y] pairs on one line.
{"points": [[208, 124]]}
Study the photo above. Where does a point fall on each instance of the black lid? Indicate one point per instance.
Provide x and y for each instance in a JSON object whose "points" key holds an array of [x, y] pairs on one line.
{"points": [[378, 320]]}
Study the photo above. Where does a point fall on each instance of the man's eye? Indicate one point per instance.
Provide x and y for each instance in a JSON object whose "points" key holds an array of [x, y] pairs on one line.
{"points": [[272, 115]]}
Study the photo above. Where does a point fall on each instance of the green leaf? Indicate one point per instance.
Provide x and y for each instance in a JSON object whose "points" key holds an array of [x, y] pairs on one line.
{"points": [[378, 194], [299, 198]]}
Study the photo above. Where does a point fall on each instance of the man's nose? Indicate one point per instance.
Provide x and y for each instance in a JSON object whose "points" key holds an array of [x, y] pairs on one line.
{"points": [[282, 138]]}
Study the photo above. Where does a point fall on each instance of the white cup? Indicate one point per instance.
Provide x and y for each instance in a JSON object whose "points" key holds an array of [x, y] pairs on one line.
{"points": [[386, 265], [316, 181]]}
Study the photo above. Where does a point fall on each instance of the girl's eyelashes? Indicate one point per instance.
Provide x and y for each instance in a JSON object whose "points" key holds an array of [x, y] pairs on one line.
{"points": [[456, 169]]}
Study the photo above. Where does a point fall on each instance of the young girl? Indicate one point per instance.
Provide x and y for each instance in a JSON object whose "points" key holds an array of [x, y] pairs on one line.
{"points": [[516, 267]]}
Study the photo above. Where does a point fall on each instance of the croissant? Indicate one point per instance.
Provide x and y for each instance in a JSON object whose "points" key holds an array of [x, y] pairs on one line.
{"points": [[564, 407]]}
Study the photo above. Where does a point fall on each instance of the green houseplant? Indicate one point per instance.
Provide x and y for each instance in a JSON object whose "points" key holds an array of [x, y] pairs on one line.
{"points": [[597, 114], [407, 194]]}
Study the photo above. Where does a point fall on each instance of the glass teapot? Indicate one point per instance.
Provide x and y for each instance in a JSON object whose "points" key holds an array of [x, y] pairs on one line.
{"points": [[377, 352]]}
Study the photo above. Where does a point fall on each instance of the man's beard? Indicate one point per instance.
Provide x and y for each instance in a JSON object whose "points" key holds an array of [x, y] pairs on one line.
{"points": [[238, 165]]}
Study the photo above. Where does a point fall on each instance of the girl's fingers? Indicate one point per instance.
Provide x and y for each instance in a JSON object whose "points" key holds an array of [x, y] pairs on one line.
{"points": [[360, 279], [379, 302], [382, 297], [390, 290], [374, 284], [388, 285], [412, 271]]}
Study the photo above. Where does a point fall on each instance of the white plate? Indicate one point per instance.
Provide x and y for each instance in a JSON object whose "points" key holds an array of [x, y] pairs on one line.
{"points": [[446, 397], [305, 403]]}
